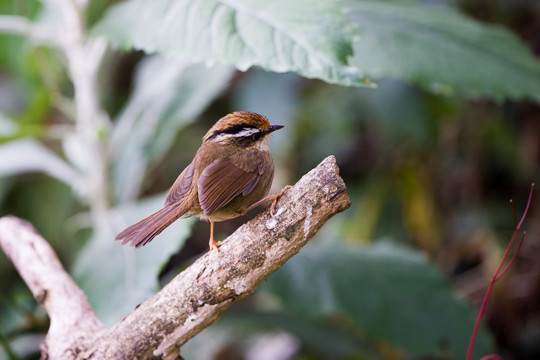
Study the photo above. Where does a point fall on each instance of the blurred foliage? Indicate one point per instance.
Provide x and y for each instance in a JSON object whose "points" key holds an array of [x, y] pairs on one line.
{"points": [[430, 157], [317, 284], [456, 44]]}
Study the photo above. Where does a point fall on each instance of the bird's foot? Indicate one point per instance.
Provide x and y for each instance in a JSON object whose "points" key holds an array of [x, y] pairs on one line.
{"points": [[214, 245], [274, 198]]}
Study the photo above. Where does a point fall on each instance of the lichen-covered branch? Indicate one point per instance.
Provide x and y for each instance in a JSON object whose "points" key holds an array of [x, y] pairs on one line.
{"points": [[198, 296]]}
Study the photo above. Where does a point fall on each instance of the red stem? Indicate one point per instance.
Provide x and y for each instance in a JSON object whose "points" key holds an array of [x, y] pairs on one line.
{"points": [[503, 271], [496, 275], [514, 212]]}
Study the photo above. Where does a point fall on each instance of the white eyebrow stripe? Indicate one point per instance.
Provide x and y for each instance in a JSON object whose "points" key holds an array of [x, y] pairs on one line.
{"points": [[246, 132]]}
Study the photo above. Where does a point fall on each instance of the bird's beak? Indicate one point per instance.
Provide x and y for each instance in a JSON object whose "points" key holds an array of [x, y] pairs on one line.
{"points": [[274, 128]]}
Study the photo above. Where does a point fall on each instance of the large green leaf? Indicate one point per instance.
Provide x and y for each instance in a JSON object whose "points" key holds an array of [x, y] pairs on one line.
{"points": [[117, 278], [388, 292], [310, 37], [435, 47], [441, 50]]}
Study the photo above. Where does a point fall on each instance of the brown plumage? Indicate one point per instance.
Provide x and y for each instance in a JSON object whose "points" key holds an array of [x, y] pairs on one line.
{"points": [[232, 170]]}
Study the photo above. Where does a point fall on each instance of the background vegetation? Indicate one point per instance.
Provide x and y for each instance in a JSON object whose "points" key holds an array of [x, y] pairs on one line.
{"points": [[91, 136]]}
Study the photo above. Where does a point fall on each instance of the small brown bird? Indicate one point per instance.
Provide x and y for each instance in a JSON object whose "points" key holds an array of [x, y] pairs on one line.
{"points": [[230, 174]]}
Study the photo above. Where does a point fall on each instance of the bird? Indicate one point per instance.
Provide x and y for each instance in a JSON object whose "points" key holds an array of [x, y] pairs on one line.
{"points": [[231, 173]]}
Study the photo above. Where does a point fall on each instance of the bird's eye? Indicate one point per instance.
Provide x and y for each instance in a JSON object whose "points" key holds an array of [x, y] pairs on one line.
{"points": [[256, 136]]}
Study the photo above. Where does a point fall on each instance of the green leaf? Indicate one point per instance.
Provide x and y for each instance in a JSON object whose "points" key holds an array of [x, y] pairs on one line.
{"points": [[389, 293], [311, 37], [117, 278], [248, 325], [442, 50], [168, 95], [8, 127], [435, 47], [26, 155]]}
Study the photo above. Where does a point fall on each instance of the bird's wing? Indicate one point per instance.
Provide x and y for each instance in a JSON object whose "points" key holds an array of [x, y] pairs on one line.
{"points": [[181, 185], [223, 180]]}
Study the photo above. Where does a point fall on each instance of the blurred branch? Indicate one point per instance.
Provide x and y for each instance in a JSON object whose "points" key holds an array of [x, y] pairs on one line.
{"points": [[84, 56], [195, 298], [20, 25]]}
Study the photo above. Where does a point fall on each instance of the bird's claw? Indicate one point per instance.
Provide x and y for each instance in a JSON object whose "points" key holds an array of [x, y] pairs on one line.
{"points": [[275, 199], [214, 245]]}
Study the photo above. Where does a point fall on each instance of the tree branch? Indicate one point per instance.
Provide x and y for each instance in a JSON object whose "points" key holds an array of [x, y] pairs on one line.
{"points": [[198, 296], [19, 25], [73, 322]]}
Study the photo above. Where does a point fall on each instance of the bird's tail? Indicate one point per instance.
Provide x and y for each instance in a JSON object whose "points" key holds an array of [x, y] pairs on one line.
{"points": [[145, 230]]}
